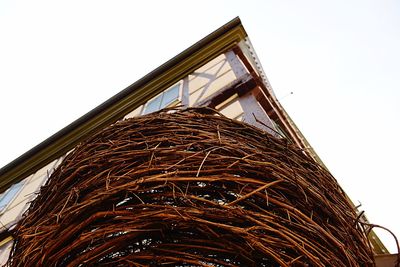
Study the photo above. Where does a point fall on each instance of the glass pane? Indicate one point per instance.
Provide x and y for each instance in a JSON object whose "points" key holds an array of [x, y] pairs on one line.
{"points": [[170, 96], [153, 105], [9, 195]]}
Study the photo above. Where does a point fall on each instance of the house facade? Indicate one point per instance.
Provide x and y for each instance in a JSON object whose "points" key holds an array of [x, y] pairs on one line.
{"points": [[221, 71]]}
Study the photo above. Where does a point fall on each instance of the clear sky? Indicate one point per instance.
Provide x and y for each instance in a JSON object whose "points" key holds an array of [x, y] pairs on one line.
{"points": [[341, 60]]}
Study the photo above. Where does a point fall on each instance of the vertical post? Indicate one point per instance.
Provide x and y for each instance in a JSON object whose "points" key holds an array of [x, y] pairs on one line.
{"points": [[185, 91], [236, 66]]}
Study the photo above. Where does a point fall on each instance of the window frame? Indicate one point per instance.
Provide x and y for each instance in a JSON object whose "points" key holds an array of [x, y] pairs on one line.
{"points": [[19, 186], [162, 105]]}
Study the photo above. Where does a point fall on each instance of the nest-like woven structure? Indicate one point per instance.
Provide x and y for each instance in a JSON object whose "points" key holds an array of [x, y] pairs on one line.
{"points": [[189, 188]]}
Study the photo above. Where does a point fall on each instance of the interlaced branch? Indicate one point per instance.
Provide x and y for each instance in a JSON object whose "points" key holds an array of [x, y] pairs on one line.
{"points": [[189, 188]]}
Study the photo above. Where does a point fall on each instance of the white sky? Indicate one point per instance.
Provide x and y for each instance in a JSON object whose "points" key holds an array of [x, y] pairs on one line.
{"points": [[60, 59]]}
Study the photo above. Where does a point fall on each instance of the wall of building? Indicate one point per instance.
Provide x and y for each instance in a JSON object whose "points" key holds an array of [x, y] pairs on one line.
{"points": [[18, 200]]}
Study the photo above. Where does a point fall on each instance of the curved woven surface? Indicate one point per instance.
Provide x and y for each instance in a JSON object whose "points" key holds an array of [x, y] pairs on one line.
{"points": [[189, 188]]}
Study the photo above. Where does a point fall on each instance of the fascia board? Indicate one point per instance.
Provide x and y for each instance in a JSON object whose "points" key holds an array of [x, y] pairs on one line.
{"points": [[220, 41]]}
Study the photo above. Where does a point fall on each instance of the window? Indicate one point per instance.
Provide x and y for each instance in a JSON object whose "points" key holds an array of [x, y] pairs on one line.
{"points": [[163, 100], [9, 195]]}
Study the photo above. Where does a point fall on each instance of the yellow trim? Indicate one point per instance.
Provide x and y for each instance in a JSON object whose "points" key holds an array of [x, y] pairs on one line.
{"points": [[5, 241], [124, 106]]}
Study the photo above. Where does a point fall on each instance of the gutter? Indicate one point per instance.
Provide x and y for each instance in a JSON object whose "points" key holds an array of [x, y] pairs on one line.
{"points": [[122, 103]]}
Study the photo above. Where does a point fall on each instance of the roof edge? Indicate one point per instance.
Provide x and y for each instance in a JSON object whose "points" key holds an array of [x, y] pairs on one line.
{"points": [[129, 98]]}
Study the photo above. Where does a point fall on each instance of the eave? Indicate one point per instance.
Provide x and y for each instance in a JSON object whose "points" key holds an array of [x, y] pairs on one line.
{"points": [[125, 101]]}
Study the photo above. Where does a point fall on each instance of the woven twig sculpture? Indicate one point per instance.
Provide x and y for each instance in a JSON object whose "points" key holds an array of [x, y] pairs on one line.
{"points": [[189, 188]]}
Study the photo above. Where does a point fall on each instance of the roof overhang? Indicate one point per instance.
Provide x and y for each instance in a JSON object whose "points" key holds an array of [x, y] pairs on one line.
{"points": [[115, 108]]}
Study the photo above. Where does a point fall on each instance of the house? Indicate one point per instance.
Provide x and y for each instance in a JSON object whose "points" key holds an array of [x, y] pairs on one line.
{"points": [[220, 71]]}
